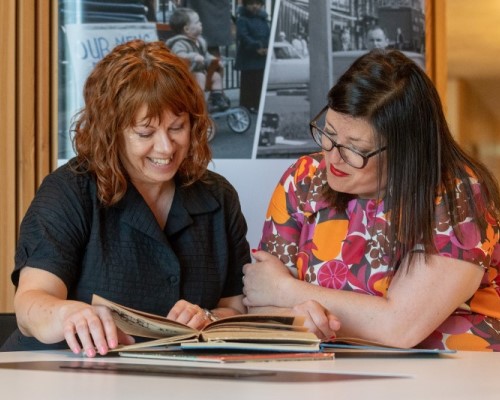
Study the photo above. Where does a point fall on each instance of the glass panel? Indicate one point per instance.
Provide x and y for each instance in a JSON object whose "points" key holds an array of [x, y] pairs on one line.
{"points": [[88, 30]]}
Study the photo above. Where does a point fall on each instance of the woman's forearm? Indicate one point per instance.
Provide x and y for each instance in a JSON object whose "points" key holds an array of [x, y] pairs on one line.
{"points": [[38, 315]]}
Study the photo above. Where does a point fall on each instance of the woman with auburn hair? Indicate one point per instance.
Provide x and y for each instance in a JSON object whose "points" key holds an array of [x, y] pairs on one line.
{"points": [[135, 217], [392, 226]]}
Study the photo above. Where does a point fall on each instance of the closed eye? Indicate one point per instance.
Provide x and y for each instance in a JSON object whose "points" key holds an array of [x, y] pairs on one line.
{"points": [[176, 128], [332, 135], [144, 134]]}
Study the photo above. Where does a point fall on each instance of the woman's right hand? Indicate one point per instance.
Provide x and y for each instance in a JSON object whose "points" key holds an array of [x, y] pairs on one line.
{"points": [[90, 329], [43, 312]]}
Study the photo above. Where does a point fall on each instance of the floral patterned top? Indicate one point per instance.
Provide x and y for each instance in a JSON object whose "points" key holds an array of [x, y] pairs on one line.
{"points": [[345, 250]]}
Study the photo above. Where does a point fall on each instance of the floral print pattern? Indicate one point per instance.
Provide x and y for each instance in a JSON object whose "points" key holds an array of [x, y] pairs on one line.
{"points": [[346, 250]]}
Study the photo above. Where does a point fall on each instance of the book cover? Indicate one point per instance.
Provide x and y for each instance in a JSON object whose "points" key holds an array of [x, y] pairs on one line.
{"points": [[226, 357], [346, 345]]}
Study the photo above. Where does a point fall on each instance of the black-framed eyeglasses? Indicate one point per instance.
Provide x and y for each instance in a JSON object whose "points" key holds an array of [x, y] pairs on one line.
{"points": [[353, 157]]}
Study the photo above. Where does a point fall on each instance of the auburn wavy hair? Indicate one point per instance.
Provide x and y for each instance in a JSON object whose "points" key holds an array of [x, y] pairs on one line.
{"points": [[132, 75]]}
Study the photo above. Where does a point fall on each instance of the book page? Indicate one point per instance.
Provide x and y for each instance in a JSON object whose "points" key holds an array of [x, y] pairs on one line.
{"points": [[259, 335], [282, 321], [138, 323]]}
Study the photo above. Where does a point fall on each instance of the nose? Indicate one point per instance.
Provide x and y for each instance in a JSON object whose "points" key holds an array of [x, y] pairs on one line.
{"points": [[335, 155], [163, 143]]}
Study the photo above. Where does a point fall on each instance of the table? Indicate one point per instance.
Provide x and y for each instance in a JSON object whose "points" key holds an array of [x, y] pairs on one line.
{"points": [[464, 375]]}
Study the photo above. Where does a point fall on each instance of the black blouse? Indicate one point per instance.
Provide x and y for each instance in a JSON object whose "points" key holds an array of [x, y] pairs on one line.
{"points": [[121, 253]]}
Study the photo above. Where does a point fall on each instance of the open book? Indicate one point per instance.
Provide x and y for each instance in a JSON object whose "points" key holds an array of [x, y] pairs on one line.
{"points": [[264, 332]]}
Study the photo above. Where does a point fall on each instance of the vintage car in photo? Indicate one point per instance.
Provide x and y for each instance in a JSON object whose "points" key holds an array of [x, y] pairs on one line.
{"points": [[288, 69]]}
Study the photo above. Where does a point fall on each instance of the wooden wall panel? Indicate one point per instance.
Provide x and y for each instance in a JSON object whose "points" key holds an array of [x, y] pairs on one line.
{"points": [[8, 221], [435, 45], [25, 104], [45, 77], [25, 120]]}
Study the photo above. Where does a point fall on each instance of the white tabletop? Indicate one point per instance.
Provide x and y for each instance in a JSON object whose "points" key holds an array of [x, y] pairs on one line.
{"points": [[464, 375]]}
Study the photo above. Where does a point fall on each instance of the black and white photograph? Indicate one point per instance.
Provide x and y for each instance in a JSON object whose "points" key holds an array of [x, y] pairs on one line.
{"points": [[253, 58], [225, 42], [294, 74]]}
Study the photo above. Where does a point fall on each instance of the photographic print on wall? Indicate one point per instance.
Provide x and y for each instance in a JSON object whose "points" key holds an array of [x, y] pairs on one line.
{"points": [[314, 43], [261, 120]]}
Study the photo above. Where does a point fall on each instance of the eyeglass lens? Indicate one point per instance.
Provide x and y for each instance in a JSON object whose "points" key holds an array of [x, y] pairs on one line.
{"points": [[326, 142]]}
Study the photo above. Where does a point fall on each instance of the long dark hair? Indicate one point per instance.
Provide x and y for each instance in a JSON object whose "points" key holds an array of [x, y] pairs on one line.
{"points": [[395, 96]]}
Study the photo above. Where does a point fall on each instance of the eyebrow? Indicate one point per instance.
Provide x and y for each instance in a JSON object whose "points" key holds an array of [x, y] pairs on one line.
{"points": [[330, 129]]}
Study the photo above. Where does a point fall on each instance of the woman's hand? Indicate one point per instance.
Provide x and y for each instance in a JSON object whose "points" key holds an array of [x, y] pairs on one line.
{"points": [[265, 281], [318, 319], [90, 328], [43, 312], [189, 314]]}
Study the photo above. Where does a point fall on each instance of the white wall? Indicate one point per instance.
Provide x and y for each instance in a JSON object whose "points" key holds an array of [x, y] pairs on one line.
{"points": [[254, 181]]}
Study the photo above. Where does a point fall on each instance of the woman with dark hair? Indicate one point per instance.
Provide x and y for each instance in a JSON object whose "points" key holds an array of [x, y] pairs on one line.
{"points": [[135, 217], [392, 227]]}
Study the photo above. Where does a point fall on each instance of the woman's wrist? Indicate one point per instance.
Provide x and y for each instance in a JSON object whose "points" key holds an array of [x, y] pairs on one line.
{"points": [[285, 292]]}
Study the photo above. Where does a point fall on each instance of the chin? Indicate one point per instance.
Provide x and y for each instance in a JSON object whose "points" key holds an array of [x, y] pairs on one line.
{"points": [[336, 185]]}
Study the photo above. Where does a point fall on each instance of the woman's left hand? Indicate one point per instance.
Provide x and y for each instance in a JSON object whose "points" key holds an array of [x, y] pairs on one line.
{"points": [[265, 281], [189, 314]]}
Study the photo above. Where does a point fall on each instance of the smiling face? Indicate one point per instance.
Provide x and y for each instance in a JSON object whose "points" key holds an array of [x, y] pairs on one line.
{"points": [[153, 150], [355, 133]]}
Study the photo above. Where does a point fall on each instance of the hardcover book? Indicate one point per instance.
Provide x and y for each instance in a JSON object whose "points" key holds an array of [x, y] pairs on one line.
{"points": [[264, 332]]}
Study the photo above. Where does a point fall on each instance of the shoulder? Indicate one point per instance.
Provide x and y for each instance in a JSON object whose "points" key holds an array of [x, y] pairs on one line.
{"points": [[177, 40], [462, 188], [65, 197], [306, 168], [217, 185], [302, 183], [65, 193], [263, 15], [68, 178], [211, 192]]}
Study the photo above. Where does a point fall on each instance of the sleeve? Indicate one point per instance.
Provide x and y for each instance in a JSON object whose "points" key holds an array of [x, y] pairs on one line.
{"points": [[54, 231], [467, 240]]}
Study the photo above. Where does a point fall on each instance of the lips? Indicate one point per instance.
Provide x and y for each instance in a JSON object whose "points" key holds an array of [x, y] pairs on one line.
{"points": [[337, 172]]}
